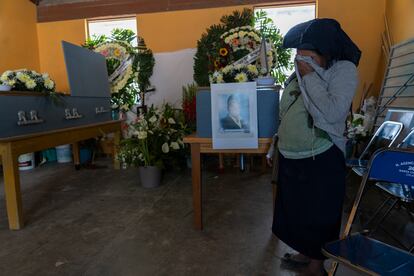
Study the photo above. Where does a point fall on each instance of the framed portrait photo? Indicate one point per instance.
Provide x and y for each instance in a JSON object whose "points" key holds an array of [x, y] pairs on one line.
{"points": [[234, 115]]}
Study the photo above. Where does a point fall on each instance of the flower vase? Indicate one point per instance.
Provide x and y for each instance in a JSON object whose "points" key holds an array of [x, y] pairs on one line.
{"points": [[150, 176]]}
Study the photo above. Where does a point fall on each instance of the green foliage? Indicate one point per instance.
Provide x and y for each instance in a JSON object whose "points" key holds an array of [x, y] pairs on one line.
{"points": [[272, 33], [117, 34], [205, 48], [237, 19], [146, 64], [94, 41], [209, 43], [123, 35]]}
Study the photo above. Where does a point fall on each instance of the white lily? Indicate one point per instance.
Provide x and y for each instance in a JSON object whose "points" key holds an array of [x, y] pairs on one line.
{"points": [[165, 148]]}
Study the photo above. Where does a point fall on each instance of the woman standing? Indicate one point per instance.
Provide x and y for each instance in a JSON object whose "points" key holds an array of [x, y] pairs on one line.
{"points": [[311, 142]]}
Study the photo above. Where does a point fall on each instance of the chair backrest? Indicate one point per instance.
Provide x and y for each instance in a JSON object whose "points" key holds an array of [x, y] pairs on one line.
{"points": [[385, 136], [403, 115], [394, 166], [408, 141]]}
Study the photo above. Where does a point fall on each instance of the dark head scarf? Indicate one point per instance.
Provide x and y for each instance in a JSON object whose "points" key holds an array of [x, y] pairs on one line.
{"points": [[324, 36]]}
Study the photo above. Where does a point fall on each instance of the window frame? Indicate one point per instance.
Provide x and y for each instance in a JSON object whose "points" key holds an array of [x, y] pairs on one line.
{"points": [[289, 4], [109, 19]]}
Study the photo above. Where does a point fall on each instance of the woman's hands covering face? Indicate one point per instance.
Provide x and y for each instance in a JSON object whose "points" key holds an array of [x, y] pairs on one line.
{"points": [[303, 67]]}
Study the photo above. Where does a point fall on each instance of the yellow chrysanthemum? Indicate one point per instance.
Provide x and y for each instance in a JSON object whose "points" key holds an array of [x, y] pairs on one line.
{"points": [[22, 77], [49, 84], [241, 77], [30, 84]]}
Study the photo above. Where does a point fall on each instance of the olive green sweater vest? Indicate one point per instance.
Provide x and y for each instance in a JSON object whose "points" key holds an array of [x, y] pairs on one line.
{"points": [[298, 137]]}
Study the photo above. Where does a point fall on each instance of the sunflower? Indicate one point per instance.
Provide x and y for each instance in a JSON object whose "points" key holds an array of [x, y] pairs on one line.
{"points": [[223, 52], [117, 52], [216, 64]]}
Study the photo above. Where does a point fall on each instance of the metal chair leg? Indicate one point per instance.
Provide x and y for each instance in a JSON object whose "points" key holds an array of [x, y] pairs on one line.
{"points": [[351, 218]]}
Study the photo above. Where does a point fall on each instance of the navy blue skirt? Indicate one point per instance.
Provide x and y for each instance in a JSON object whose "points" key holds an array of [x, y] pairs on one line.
{"points": [[310, 195]]}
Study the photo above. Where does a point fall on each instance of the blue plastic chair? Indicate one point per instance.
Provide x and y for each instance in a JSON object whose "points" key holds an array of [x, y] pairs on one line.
{"points": [[364, 253], [385, 136], [397, 193], [371, 256]]}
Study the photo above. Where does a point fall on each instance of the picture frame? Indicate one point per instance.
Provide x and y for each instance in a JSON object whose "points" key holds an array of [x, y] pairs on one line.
{"points": [[234, 115]]}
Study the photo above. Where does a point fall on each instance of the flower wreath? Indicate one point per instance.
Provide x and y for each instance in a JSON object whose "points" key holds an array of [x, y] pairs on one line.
{"points": [[246, 39], [118, 54], [237, 43]]}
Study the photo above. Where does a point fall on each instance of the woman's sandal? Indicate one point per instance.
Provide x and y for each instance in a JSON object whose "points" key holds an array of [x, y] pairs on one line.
{"points": [[289, 259]]}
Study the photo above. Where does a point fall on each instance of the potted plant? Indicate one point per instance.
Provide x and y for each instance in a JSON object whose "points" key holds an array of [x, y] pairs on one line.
{"points": [[153, 139]]}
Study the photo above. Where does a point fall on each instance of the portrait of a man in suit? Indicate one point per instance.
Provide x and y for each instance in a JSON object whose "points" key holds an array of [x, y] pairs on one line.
{"points": [[233, 119]]}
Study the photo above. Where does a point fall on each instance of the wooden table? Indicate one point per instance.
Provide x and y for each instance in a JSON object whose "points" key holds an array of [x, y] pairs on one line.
{"points": [[11, 148], [205, 145]]}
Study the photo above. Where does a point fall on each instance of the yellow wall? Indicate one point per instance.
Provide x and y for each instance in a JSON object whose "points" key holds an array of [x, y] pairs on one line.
{"points": [[50, 48], [172, 31], [363, 22], [400, 15], [18, 38], [25, 44], [163, 32]]}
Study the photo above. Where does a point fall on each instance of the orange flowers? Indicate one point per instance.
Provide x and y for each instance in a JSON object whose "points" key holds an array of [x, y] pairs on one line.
{"points": [[223, 52], [216, 64]]}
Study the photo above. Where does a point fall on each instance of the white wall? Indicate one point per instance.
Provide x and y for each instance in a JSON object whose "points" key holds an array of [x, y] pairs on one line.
{"points": [[172, 71]]}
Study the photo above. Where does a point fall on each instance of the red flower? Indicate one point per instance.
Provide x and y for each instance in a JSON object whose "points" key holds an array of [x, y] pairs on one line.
{"points": [[189, 108]]}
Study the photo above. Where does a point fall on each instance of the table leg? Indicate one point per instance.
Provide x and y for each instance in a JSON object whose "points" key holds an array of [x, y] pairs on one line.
{"points": [[197, 190], [117, 140], [12, 189], [76, 155], [221, 162]]}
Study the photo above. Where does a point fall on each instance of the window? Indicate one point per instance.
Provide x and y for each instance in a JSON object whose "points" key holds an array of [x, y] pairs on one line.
{"points": [[285, 17], [105, 27]]}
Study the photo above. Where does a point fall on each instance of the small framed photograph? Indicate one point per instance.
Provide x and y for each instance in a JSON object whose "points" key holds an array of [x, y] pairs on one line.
{"points": [[234, 115]]}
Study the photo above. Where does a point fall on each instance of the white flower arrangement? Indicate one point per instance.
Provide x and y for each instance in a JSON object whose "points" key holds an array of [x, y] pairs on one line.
{"points": [[154, 136], [356, 129], [27, 80], [245, 37], [120, 51], [248, 38], [235, 73]]}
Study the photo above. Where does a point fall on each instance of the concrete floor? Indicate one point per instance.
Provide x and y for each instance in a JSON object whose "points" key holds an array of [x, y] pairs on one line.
{"points": [[101, 222]]}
